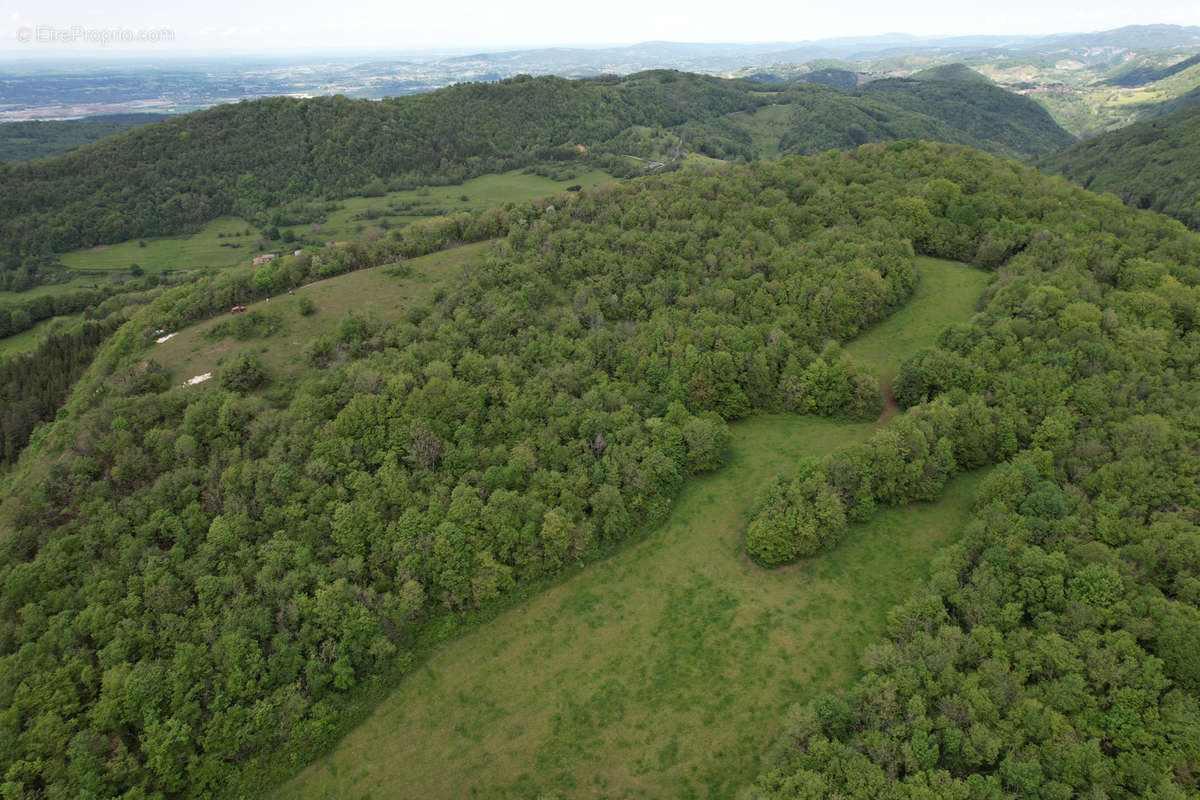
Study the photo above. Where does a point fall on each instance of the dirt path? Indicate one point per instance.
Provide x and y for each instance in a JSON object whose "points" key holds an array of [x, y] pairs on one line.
{"points": [[890, 407]]}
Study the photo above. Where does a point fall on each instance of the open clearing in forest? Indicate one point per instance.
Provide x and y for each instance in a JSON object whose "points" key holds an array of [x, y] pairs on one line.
{"points": [[227, 241], [946, 292], [379, 293], [28, 340], [664, 670]]}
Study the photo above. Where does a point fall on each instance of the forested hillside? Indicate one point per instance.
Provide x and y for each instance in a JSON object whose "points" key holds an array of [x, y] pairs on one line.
{"points": [[1053, 654], [265, 160], [33, 386], [1185, 100], [975, 108], [1143, 74], [195, 579], [25, 141], [971, 112], [226, 561], [1153, 164], [247, 158]]}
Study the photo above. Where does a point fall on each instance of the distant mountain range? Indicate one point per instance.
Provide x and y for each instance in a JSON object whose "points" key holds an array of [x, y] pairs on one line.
{"points": [[45, 90], [701, 57], [725, 58]]}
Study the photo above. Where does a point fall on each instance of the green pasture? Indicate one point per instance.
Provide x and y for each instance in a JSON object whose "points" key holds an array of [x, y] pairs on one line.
{"points": [[666, 669], [380, 293], [946, 292], [227, 241], [767, 126], [201, 250]]}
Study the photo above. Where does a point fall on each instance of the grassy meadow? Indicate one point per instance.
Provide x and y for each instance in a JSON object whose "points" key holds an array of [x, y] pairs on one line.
{"points": [[400, 208], [227, 241], [666, 669], [379, 292], [661, 672], [199, 250], [946, 292], [77, 282], [767, 127]]}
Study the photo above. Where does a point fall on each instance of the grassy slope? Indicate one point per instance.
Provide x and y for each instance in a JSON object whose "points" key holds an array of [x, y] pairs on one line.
{"points": [[203, 249], [946, 292], [662, 671], [29, 340], [766, 126], [8, 299], [482, 192], [368, 292]]}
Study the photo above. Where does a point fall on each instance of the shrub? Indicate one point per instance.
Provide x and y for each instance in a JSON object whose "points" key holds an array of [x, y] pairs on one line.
{"points": [[244, 374]]}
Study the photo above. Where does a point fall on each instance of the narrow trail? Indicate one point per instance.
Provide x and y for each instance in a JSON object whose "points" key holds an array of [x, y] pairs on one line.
{"points": [[890, 407]]}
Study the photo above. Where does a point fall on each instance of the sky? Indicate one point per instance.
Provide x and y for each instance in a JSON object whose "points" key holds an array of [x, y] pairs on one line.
{"points": [[66, 28]]}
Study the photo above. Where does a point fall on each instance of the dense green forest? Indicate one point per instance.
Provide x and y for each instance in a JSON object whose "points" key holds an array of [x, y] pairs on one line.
{"points": [[1053, 654], [1153, 164], [33, 386], [268, 160], [969, 112], [25, 141], [194, 580], [544, 408]]}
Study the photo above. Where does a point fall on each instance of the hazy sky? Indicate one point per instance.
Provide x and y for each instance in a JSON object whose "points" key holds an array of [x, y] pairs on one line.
{"points": [[67, 27]]}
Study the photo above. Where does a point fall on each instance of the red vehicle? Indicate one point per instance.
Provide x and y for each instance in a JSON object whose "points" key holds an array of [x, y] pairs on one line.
{"points": [[237, 309]]}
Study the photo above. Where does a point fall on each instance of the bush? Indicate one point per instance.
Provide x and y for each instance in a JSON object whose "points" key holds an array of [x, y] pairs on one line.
{"points": [[770, 540], [244, 374]]}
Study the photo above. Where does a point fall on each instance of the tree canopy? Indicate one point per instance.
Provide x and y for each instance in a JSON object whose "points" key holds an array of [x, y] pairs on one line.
{"points": [[194, 580], [1153, 164], [266, 160]]}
